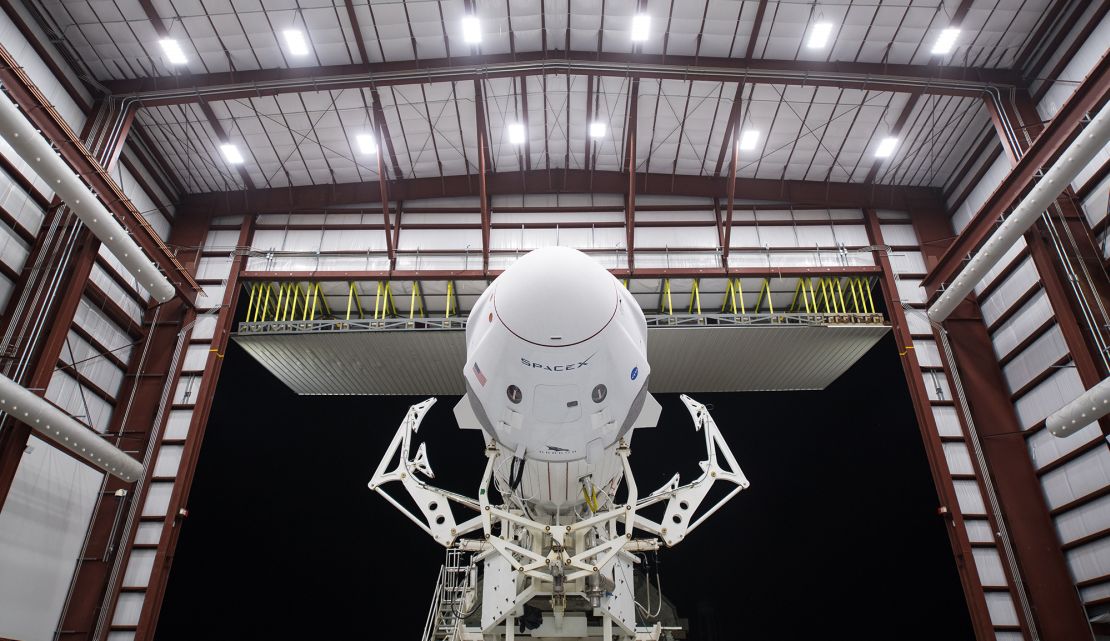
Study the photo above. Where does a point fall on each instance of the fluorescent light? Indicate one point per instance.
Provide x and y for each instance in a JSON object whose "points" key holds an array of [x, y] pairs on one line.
{"points": [[886, 147], [597, 129], [472, 30], [231, 154], [173, 51], [819, 35], [748, 140], [946, 40], [294, 40], [516, 133], [366, 144], [641, 26]]}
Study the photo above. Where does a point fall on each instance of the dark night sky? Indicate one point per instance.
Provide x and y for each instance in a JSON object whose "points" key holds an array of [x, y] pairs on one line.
{"points": [[837, 537]]}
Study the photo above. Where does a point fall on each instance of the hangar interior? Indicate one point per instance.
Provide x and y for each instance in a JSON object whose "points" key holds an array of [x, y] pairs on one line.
{"points": [[332, 185]]}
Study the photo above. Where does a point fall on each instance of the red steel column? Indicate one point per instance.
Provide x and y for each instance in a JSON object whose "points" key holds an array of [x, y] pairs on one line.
{"points": [[152, 605], [99, 569], [1057, 612], [934, 449]]}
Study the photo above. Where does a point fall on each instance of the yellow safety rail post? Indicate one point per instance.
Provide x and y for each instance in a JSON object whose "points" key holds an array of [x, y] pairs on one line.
{"points": [[296, 295], [667, 296], [250, 300], [765, 289], [840, 295], [324, 302], [389, 299], [740, 295], [307, 297], [730, 296], [825, 294], [277, 301], [807, 292], [315, 299], [413, 300], [695, 299], [358, 301], [290, 311], [450, 289], [378, 300], [260, 311], [870, 301], [794, 302]]}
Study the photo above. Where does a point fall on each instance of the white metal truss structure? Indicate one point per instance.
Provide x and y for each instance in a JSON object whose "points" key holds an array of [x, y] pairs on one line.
{"points": [[575, 570]]}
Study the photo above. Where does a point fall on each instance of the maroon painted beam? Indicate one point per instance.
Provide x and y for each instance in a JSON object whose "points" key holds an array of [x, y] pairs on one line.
{"points": [[221, 135], [731, 198], [310, 198], [383, 187], [1054, 602], [47, 120], [483, 166], [1055, 137], [930, 437], [936, 80], [630, 162], [481, 274]]}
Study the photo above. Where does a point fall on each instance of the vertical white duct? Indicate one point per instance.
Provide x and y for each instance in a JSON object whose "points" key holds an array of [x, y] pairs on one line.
{"points": [[1077, 156], [50, 422], [38, 153]]}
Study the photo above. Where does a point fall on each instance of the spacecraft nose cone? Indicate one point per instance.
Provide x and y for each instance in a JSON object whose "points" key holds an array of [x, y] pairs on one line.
{"points": [[555, 296]]}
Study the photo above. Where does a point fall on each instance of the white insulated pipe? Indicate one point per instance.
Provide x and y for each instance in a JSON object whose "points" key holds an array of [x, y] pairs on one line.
{"points": [[38, 153], [1077, 156], [1087, 408], [50, 422]]}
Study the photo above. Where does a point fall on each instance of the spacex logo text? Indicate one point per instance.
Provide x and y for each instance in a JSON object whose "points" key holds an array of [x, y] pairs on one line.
{"points": [[567, 367]]}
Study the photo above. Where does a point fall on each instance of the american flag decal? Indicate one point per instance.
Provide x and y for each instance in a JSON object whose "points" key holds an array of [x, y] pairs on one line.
{"points": [[479, 375]]}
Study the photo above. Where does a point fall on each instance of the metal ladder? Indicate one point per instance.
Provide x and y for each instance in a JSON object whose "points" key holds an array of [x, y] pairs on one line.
{"points": [[454, 582]]}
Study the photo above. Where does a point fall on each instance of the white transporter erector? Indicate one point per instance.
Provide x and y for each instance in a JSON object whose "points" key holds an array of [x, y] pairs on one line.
{"points": [[556, 377]]}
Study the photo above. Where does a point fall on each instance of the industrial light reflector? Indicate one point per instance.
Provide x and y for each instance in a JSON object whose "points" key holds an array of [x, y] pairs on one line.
{"points": [[946, 40], [516, 133], [641, 26], [366, 144], [231, 154], [173, 51], [472, 30], [598, 129], [886, 147], [819, 35], [748, 140], [295, 42]]}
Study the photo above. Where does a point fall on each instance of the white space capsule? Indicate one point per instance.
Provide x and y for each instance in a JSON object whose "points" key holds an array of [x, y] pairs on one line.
{"points": [[556, 373]]}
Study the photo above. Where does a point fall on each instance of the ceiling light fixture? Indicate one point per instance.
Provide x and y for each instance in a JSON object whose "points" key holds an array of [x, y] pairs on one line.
{"points": [[516, 133], [946, 40], [173, 51], [598, 129], [366, 144], [748, 140], [641, 27], [295, 42], [472, 30], [886, 147], [819, 35], [231, 153]]}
